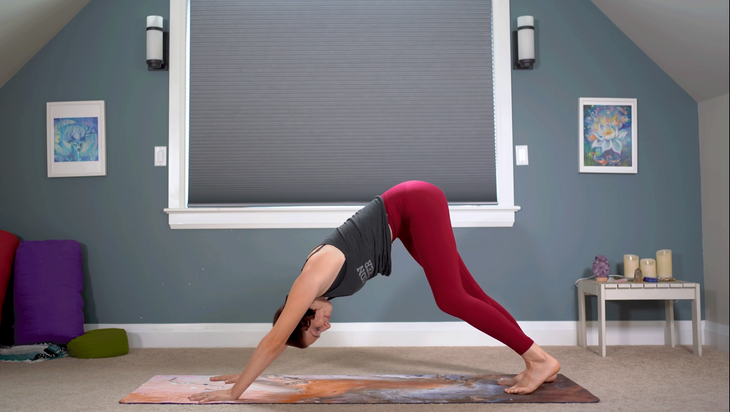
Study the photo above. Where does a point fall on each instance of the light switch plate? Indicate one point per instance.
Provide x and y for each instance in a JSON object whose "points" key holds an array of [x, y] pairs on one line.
{"points": [[521, 157], [160, 155]]}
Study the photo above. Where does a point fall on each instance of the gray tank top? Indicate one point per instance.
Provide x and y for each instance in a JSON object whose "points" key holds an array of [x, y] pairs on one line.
{"points": [[365, 241]]}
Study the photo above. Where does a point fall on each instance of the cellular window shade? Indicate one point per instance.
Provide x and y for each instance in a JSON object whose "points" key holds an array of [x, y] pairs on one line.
{"points": [[321, 102]]}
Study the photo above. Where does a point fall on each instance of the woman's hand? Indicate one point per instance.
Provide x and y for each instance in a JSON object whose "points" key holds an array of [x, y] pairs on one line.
{"points": [[226, 378], [214, 396]]}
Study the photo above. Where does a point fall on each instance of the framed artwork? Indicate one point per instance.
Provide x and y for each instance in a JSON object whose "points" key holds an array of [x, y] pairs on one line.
{"points": [[76, 138], [608, 138]]}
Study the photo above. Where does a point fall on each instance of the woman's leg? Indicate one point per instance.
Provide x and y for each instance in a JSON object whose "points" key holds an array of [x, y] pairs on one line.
{"points": [[430, 240], [427, 234], [472, 288]]}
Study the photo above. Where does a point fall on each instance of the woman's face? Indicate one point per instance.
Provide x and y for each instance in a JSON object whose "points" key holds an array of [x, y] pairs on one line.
{"points": [[321, 322]]}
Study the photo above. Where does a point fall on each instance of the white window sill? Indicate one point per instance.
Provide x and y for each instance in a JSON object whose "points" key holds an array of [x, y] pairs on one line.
{"points": [[310, 217]]}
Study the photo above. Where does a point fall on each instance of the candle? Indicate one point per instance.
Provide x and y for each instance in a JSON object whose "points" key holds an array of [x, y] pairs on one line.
{"points": [[631, 263], [648, 268], [664, 263]]}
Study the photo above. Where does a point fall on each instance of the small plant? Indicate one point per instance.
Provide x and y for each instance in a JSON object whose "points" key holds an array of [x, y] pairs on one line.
{"points": [[601, 268]]}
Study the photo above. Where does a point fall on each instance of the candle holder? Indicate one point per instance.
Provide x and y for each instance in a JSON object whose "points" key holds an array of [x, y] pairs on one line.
{"points": [[631, 263], [648, 268], [664, 264]]}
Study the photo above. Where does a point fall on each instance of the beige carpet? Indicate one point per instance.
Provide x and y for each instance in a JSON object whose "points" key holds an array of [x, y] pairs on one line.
{"points": [[631, 378]]}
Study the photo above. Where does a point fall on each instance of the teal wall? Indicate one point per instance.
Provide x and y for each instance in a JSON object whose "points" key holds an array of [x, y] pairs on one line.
{"points": [[138, 270]]}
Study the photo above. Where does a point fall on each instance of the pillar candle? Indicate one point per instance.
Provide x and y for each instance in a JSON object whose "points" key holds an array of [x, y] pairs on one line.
{"points": [[648, 268], [631, 263], [664, 263]]}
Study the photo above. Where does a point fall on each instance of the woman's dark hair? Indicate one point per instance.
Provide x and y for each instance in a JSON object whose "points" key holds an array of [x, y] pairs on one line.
{"points": [[296, 339]]}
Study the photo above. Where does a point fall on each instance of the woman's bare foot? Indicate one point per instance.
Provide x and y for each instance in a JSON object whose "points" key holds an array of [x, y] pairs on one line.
{"points": [[515, 379], [540, 367]]}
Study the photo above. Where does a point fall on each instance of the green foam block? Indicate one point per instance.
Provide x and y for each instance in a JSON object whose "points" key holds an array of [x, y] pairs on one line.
{"points": [[99, 343]]}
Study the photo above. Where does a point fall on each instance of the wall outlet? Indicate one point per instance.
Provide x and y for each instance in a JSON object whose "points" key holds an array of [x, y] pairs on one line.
{"points": [[521, 157], [160, 155]]}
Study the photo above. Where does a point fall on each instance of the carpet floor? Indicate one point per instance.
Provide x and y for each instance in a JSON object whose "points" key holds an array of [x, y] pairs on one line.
{"points": [[630, 378]]}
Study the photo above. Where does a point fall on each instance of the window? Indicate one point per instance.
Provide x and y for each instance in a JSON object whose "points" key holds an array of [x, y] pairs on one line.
{"points": [[317, 216]]}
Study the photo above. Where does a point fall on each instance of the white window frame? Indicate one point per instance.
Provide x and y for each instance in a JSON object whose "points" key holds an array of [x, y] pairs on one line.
{"points": [[271, 217]]}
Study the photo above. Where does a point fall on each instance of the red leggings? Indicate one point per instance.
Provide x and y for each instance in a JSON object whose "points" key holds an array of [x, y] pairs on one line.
{"points": [[418, 214]]}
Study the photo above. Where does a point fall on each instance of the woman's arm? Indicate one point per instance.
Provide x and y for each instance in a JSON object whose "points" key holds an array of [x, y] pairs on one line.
{"points": [[271, 346], [308, 286], [302, 294]]}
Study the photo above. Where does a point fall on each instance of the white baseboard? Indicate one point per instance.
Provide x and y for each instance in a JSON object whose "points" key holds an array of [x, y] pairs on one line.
{"points": [[248, 335], [716, 335]]}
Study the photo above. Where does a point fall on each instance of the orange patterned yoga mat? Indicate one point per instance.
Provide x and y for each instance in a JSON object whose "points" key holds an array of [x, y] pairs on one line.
{"points": [[323, 389]]}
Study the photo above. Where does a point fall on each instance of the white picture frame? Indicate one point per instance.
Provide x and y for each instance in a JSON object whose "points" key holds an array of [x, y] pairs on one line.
{"points": [[607, 135], [76, 138]]}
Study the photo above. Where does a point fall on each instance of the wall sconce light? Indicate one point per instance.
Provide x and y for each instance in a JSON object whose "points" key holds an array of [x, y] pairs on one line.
{"points": [[523, 43], [158, 42]]}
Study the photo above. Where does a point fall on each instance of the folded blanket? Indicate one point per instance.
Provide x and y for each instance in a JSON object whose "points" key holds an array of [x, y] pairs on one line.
{"points": [[31, 353]]}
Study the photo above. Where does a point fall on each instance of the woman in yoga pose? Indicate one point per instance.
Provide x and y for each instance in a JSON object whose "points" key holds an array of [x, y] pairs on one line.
{"points": [[417, 213]]}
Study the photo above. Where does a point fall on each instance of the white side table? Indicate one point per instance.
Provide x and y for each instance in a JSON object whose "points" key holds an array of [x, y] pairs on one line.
{"points": [[666, 291]]}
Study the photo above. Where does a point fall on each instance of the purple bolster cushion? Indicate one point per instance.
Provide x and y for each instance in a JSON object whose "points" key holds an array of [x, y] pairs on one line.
{"points": [[48, 281]]}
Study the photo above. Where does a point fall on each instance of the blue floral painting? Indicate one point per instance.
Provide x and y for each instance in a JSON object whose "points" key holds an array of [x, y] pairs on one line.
{"points": [[76, 139], [607, 135]]}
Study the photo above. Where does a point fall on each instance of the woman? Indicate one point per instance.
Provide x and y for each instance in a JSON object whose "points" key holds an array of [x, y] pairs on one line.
{"points": [[417, 213]]}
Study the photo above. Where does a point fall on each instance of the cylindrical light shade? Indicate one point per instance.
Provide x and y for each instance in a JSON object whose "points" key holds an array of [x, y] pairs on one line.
{"points": [[154, 41], [526, 40]]}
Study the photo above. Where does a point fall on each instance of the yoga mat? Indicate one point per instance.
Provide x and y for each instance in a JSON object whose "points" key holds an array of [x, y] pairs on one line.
{"points": [[321, 389]]}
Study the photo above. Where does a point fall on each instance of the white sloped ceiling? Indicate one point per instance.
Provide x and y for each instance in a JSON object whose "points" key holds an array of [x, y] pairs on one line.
{"points": [[688, 39], [26, 26]]}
